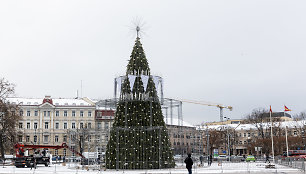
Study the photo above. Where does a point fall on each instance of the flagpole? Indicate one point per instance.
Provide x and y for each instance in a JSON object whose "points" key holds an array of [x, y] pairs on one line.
{"points": [[272, 134], [287, 141]]}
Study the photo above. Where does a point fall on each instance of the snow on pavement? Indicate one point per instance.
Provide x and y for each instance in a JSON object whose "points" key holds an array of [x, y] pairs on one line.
{"points": [[242, 167]]}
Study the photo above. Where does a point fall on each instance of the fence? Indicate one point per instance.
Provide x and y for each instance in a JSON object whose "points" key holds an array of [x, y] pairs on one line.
{"points": [[298, 163]]}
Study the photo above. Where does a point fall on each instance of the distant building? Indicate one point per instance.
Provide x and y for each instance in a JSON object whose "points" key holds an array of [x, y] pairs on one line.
{"points": [[57, 120], [242, 137], [184, 137]]}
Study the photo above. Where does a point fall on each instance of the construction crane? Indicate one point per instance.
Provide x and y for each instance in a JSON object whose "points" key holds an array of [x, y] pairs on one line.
{"points": [[220, 106]]}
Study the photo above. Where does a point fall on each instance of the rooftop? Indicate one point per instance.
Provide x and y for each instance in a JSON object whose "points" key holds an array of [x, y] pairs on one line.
{"points": [[55, 101]]}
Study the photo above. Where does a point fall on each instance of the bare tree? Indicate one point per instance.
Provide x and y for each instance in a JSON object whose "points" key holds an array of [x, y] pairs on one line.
{"points": [[300, 116], [261, 120], [8, 117], [217, 138]]}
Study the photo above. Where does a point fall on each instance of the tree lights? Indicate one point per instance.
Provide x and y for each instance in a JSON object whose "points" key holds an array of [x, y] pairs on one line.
{"points": [[139, 139]]}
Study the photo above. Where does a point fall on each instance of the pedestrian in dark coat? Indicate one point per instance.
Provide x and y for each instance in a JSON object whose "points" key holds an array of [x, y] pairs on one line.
{"points": [[267, 158], [210, 160], [201, 159], [189, 163]]}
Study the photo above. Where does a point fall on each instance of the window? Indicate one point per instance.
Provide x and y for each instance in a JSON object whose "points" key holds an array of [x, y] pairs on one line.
{"points": [[27, 138], [46, 138], [81, 125], [73, 150], [89, 113], [35, 138], [239, 134], [20, 138], [244, 142], [21, 112], [64, 138], [56, 152], [56, 138], [65, 125], [35, 113], [73, 125], [56, 113], [99, 125], [49, 113], [20, 125], [81, 113], [244, 134], [46, 125], [28, 125], [65, 113], [28, 113], [106, 125], [45, 113], [56, 125], [249, 134], [89, 138], [97, 137], [35, 125], [65, 152], [89, 125], [73, 113]]}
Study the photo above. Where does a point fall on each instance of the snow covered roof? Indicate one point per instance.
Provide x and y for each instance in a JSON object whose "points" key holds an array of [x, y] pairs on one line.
{"points": [[290, 124], [177, 122], [56, 101]]}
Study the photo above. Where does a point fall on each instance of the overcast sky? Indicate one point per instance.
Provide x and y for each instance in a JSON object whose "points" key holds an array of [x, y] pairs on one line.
{"points": [[245, 54]]}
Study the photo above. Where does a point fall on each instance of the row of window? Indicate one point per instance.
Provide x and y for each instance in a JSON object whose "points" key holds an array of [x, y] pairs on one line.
{"points": [[244, 142], [259, 134], [182, 143], [57, 125], [187, 136], [45, 138], [57, 113], [56, 138]]}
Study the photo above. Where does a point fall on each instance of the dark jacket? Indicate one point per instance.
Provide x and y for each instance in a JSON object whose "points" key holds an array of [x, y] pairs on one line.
{"points": [[188, 162]]}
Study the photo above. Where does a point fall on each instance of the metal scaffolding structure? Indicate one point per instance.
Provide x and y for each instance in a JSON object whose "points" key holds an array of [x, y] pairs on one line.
{"points": [[171, 108]]}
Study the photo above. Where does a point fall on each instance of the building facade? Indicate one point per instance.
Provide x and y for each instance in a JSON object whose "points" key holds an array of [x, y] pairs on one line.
{"points": [[55, 121], [246, 139]]}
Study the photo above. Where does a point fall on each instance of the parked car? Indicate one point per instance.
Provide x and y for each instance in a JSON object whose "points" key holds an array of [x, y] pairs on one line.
{"points": [[177, 157], [250, 158], [222, 158]]}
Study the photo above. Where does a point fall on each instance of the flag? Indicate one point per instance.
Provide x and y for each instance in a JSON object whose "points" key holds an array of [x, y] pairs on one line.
{"points": [[270, 109], [287, 109]]}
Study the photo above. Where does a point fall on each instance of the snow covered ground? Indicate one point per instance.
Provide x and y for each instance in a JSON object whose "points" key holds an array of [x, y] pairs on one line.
{"points": [[243, 167]]}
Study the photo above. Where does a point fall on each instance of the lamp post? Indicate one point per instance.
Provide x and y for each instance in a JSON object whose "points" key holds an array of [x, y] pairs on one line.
{"points": [[303, 136], [207, 142], [228, 141]]}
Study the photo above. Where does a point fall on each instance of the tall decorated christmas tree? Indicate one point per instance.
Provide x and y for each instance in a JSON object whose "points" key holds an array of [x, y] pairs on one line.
{"points": [[139, 138]]}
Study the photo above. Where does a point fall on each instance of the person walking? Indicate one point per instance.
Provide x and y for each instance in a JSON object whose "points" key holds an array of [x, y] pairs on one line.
{"points": [[201, 159], [210, 160], [189, 163], [267, 158]]}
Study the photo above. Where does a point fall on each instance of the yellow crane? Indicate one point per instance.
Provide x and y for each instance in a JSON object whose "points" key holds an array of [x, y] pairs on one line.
{"points": [[220, 106]]}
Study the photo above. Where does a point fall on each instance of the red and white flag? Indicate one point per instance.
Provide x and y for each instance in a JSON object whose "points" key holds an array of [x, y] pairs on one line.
{"points": [[286, 109]]}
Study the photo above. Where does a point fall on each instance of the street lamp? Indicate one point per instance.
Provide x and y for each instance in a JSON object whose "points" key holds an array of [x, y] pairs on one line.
{"points": [[228, 143]]}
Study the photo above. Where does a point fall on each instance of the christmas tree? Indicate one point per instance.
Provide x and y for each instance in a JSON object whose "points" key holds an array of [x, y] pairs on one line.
{"points": [[139, 138]]}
